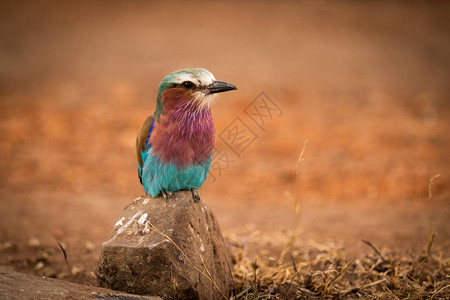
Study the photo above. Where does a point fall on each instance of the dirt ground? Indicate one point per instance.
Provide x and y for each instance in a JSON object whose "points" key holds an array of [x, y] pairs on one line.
{"points": [[366, 84]]}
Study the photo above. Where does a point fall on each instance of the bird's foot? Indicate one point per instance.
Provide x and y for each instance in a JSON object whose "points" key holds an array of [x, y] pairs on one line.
{"points": [[166, 195], [195, 195]]}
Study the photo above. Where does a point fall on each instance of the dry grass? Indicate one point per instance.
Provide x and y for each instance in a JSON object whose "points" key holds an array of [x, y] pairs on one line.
{"points": [[317, 271]]}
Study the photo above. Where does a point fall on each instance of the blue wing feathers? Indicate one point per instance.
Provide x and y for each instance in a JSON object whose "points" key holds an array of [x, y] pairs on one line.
{"points": [[149, 134]]}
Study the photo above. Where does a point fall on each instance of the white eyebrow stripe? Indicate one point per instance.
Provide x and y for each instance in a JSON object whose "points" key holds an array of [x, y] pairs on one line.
{"points": [[203, 78]]}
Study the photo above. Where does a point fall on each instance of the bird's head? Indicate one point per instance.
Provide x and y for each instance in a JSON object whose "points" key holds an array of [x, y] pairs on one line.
{"points": [[192, 89]]}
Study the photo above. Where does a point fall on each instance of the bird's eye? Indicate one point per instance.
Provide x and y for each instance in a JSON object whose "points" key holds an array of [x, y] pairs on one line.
{"points": [[188, 84]]}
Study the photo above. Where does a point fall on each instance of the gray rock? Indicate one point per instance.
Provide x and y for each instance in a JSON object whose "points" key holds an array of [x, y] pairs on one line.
{"points": [[171, 249], [15, 285]]}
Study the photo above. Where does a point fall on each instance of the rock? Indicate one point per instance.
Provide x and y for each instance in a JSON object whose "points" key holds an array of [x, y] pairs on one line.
{"points": [[173, 249], [15, 285]]}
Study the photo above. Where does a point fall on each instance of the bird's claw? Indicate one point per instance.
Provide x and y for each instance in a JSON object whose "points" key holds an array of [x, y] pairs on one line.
{"points": [[195, 195], [166, 195]]}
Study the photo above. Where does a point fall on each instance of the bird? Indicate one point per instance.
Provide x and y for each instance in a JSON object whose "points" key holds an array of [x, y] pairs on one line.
{"points": [[175, 144]]}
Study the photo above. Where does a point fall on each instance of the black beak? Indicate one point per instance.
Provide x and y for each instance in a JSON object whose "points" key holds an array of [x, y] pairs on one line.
{"points": [[219, 87]]}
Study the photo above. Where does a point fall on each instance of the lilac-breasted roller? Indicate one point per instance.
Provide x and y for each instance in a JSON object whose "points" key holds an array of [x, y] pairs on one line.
{"points": [[175, 144]]}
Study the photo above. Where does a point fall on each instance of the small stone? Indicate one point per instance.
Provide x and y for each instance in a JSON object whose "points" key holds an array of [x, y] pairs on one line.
{"points": [[34, 242], [90, 246], [142, 255], [76, 270], [6, 245], [39, 265], [49, 272]]}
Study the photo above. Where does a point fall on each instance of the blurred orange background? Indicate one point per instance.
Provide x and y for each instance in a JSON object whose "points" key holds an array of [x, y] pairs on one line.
{"points": [[365, 83]]}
